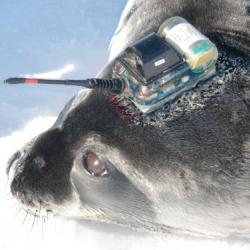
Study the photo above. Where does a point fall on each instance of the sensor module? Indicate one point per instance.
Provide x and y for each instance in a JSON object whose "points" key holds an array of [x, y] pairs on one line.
{"points": [[157, 68], [163, 65]]}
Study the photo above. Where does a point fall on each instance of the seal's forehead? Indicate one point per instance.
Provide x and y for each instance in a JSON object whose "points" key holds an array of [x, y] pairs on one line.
{"points": [[79, 98]]}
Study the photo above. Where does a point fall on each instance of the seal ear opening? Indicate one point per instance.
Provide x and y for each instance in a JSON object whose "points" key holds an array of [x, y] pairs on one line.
{"points": [[248, 10]]}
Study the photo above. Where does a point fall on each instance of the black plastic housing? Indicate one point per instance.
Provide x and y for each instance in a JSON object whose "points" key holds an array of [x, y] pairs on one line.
{"points": [[150, 57]]}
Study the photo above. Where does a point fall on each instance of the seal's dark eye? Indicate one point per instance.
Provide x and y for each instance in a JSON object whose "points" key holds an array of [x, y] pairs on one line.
{"points": [[94, 165]]}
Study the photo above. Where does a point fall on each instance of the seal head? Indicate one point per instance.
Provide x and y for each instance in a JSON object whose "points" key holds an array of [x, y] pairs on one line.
{"points": [[184, 170]]}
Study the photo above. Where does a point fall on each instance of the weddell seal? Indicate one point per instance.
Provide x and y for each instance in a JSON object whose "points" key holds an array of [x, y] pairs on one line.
{"points": [[184, 169]]}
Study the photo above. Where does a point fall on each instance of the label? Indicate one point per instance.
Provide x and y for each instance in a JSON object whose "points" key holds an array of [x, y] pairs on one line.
{"points": [[183, 35], [160, 62]]}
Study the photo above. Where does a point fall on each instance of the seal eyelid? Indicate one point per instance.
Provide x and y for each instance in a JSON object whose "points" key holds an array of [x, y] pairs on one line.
{"points": [[94, 165]]}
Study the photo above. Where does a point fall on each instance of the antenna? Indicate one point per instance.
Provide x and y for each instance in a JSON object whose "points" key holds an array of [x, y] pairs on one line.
{"points": [[112, 85]]}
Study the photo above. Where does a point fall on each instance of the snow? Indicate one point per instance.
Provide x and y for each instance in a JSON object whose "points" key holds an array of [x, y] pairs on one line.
{"points": [[20, 232], [57, 39]]}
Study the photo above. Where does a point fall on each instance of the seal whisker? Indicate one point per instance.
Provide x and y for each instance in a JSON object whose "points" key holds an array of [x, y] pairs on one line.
{"points": [[19, 209], [25, 217], [29, 220], [42, 231], [13, 204], [46, 218], [40, 218], [44, 224], [37, 222], [33, 222], [26, 212]]}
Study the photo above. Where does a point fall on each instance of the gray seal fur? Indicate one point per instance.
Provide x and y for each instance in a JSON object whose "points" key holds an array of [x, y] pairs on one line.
{"points": [[187, 174]]}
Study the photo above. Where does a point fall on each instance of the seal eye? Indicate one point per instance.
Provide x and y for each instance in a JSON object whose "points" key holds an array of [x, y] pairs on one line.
{"points": [[94, 165]]}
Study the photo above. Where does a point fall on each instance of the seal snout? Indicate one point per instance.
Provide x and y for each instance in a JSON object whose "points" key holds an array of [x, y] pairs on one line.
{"points": [[38, 176], [20, 167], [21, 191]]}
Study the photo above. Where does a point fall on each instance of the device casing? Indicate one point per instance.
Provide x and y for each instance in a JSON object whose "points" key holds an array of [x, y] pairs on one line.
{"points": [[156, 69]]}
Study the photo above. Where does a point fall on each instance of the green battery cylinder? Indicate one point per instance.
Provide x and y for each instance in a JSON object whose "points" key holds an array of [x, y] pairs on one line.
{"points": [[199, 52]]}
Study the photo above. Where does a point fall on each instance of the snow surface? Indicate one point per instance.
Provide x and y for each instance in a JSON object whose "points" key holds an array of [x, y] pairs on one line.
{"points": [[20, 232], [58, 38]]}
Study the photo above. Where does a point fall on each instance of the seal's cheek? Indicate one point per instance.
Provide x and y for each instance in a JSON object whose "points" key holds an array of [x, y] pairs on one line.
{"points": [[101, 185]]}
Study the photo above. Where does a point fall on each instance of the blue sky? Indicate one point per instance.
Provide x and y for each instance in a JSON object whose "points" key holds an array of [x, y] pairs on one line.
{"points": [[40, 36]]}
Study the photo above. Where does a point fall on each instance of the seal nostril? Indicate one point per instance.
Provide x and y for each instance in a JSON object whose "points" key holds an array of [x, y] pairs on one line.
{"points": [[14, 157]]}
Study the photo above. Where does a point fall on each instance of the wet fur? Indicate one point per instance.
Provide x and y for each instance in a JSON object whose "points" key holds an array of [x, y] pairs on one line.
{"points": [[187, 172]]}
